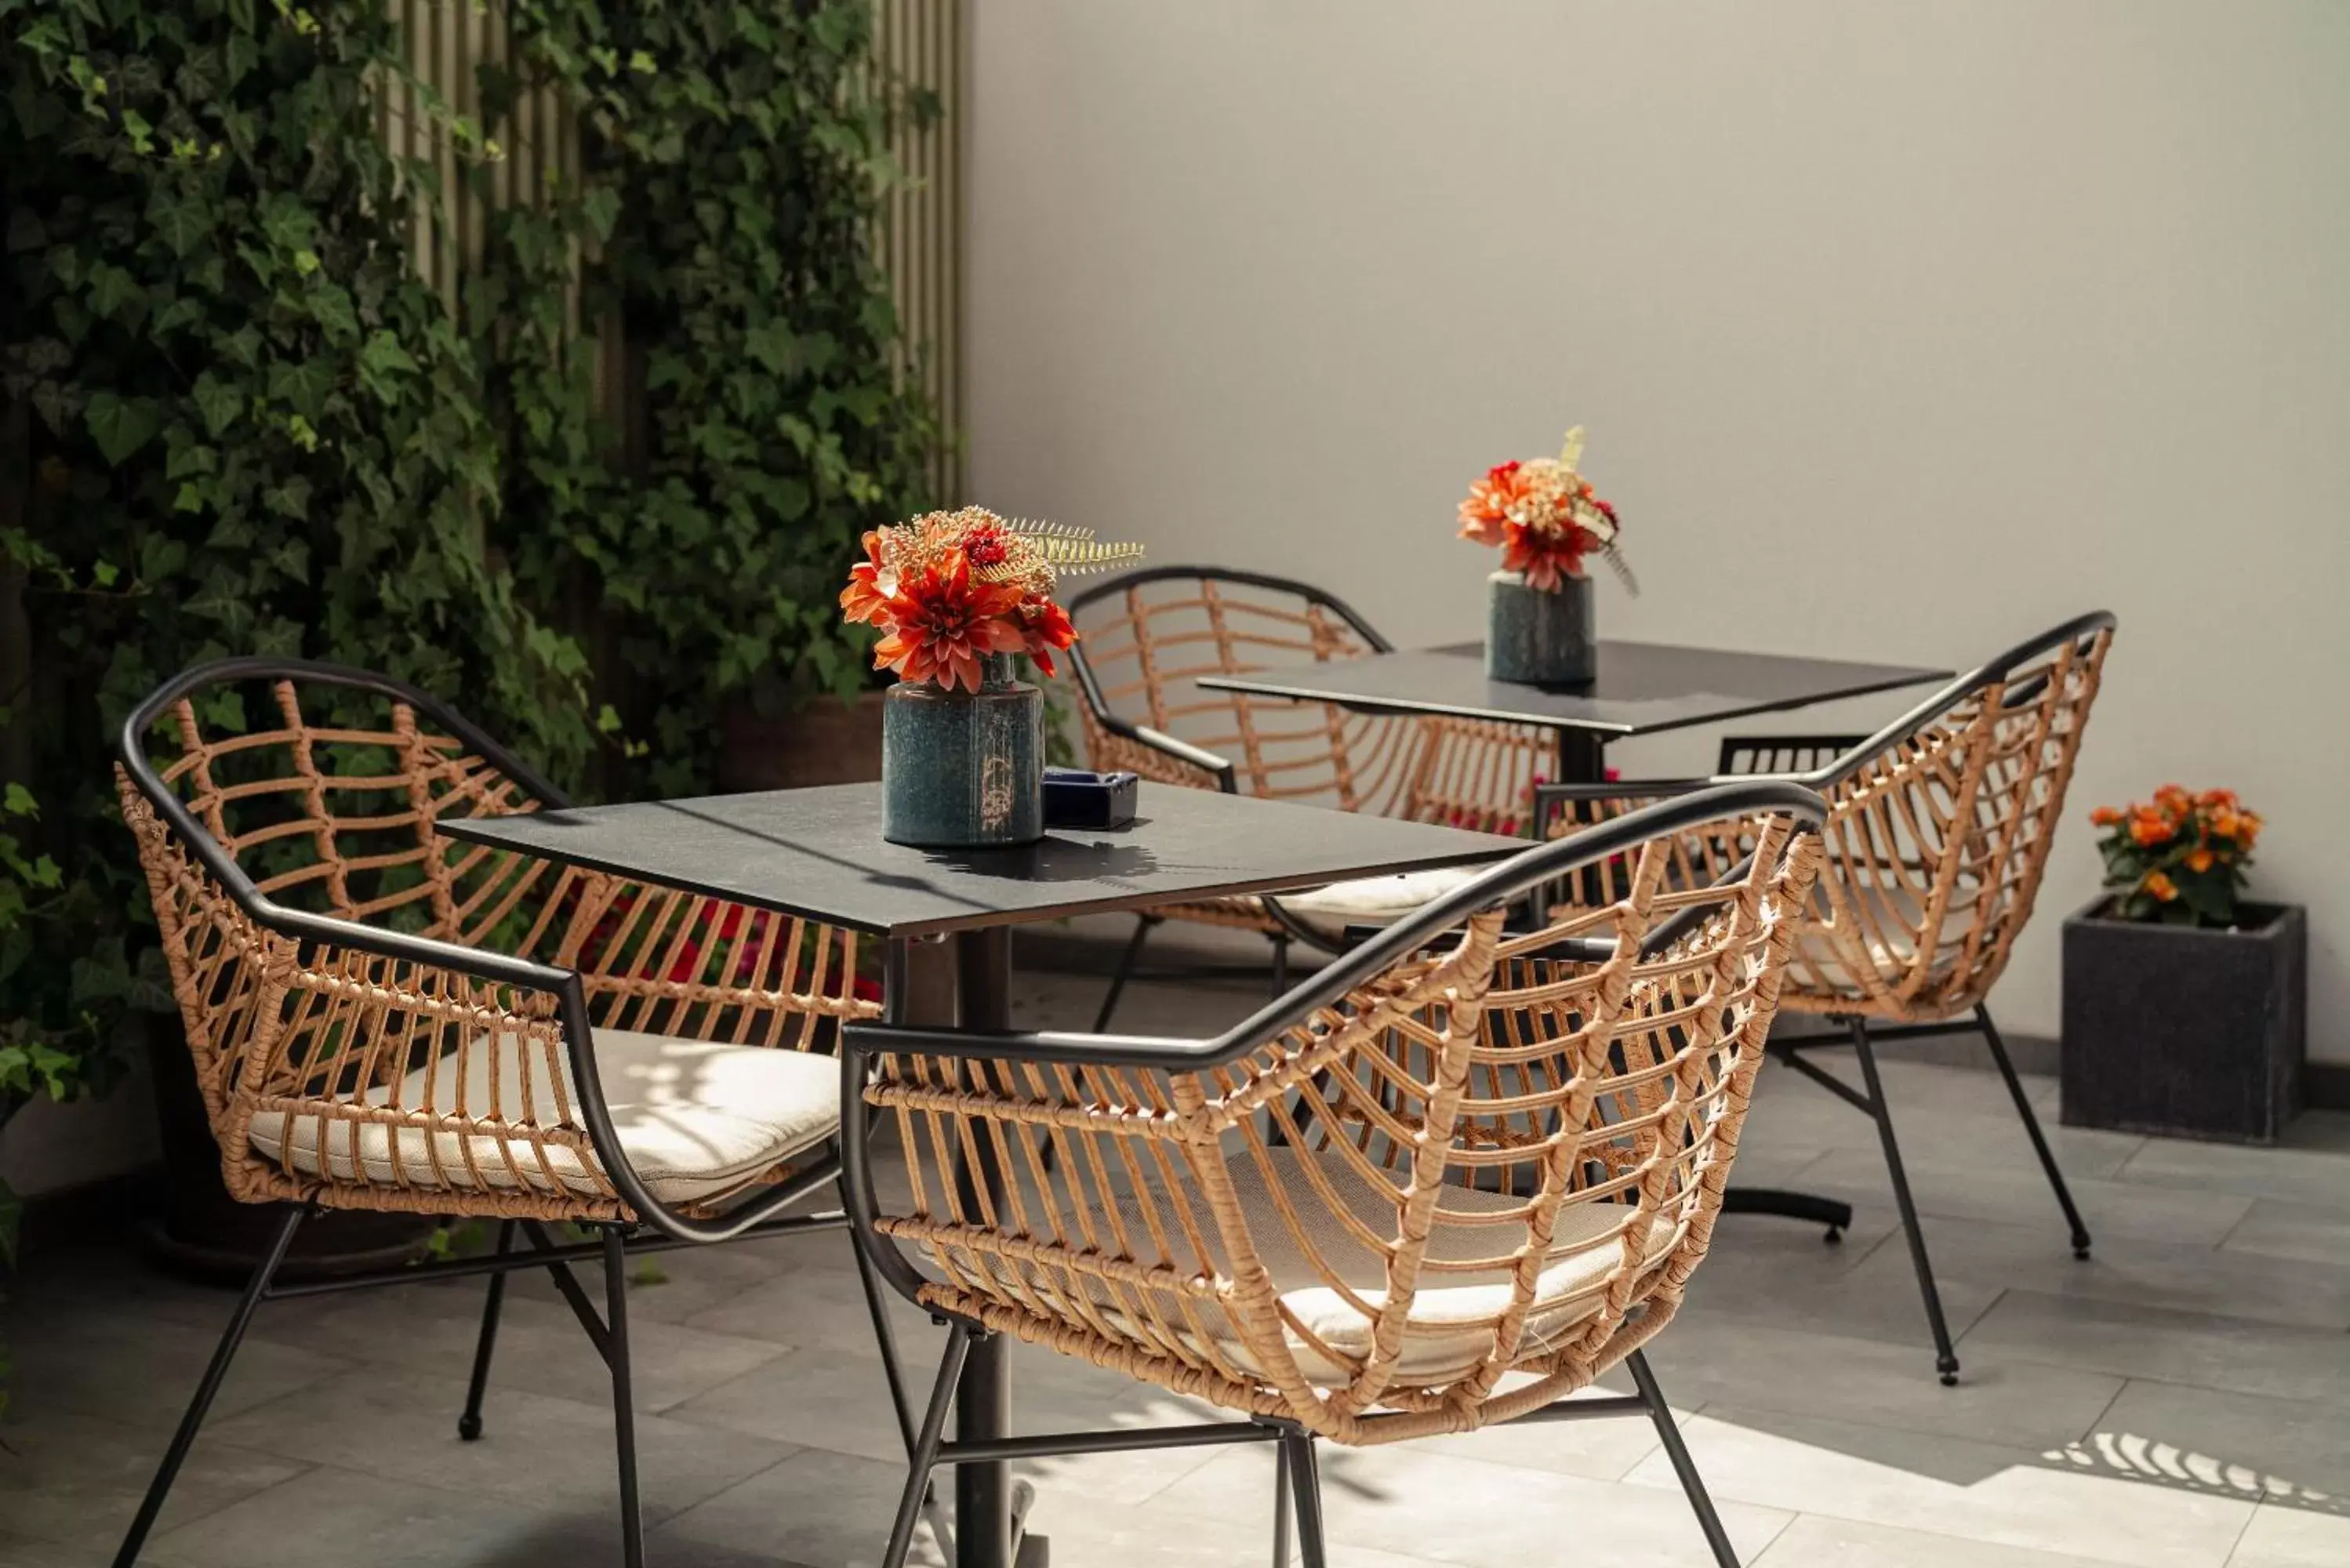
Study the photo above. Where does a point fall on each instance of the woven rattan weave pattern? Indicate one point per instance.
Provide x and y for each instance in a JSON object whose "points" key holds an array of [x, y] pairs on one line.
{"points": [[1488, 1159]]}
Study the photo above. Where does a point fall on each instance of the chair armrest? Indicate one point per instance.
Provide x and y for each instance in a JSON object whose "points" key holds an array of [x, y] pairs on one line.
{"points": [[1219, 769], [1056, 1047]]}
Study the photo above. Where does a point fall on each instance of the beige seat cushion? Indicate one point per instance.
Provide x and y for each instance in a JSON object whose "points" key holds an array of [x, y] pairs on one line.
{"points": [[695, 1118], [1450, 1327], [1376, 901]]}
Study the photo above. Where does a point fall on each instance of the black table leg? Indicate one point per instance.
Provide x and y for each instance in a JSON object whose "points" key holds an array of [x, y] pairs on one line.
{"points": [[983, 1394]]}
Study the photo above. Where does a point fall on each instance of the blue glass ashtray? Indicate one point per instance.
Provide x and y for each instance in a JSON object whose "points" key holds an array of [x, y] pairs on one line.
{"points": [[1075, 797]]}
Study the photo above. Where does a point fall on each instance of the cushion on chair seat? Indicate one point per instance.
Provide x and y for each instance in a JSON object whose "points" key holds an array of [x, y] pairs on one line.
{"points": [[1449, 1325], [694, 1117], [1449, 1329], [1377, 900]]}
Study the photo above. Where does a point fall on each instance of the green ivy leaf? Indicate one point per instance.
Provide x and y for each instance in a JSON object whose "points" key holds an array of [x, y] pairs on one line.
{"points": [[218, 402], [303, 384], [121, 425]]}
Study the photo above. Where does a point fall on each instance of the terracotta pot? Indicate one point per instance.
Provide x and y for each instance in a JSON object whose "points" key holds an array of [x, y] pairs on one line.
{"points": [[827, 742]]}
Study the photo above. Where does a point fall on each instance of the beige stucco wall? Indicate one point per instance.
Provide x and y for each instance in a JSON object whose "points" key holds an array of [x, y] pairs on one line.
{"points": [[1901, 331]]}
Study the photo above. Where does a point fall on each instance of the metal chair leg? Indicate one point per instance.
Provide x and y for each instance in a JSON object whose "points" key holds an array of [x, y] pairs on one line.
{"points": [[1305, 1484], [1280, 1505], [185, 1438], [1668, 1433], [2031, 1131], [469, 1425], [1946, 1358], [624, 1413], [925, 1456], [1280, 963], [1143, 924]]}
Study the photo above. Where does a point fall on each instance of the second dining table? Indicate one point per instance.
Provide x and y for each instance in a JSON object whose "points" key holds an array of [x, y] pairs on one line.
{"points": [[818, 854]]}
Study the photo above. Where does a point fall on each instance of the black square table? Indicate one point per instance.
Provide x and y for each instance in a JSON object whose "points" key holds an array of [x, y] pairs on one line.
{"points": [[819, 853], [1642, 688]]}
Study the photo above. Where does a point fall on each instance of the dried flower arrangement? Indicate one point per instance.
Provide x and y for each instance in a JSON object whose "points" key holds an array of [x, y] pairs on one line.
{"points": [[1541, 514]]}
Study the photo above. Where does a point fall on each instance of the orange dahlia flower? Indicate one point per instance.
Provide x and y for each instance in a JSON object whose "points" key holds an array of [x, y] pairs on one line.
{"points": [[865, 600], [1487, 510], [1548, 557], [2105, 816], [2216, 797], [942, 620], [2150, 828], [2163, 888], [2199, 859], [1044, 628]]}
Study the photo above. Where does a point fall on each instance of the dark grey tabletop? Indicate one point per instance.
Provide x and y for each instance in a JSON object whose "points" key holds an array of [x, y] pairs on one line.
{"points": [[821, 853], [1642, 688]]}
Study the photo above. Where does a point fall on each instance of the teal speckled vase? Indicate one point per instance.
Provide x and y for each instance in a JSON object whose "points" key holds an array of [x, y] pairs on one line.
{"points": [[964, 770], [1540, 638]]}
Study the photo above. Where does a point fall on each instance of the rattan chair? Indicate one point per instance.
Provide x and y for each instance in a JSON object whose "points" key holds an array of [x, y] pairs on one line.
{"points": [[1149, 636], [384, 1017], [1445, 1182], [1937, 835]]}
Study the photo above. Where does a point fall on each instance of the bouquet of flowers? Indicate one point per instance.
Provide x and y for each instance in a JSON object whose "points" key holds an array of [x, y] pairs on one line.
{"points": [[1545, 519], [2178, 859], [949, 588]]}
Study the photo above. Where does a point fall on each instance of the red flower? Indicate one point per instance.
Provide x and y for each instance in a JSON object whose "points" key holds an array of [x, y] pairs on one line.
{"points": [[1547, 558], [866, 989], [943, 621], [862, 600], [1045, 626], [1487, 510]]}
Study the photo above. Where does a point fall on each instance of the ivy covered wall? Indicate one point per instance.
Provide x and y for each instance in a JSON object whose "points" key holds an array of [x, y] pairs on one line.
{"points": [[236, 416]]}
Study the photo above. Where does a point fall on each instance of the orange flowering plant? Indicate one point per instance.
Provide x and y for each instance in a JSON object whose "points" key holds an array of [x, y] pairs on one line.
{"points": [[949, 588], [2179, 858], [1545, 518]]}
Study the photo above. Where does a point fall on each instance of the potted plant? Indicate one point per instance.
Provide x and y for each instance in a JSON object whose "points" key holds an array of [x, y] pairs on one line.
{"points": [[2184, 1009], [1545, 518], [959, 597]]}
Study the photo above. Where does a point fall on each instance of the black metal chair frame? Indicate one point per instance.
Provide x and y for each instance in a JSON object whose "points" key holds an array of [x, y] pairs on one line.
{"points": [[1224, 770], [1298, 1487], [1845, 756], [659, 1226]]}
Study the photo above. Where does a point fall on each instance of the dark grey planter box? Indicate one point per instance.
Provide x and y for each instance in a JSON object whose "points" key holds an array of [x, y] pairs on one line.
{"points": [[2183, 1031]]}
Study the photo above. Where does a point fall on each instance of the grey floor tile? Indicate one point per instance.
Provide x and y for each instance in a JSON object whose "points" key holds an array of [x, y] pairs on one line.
{"points": [[1815, 1540], [1410, 1499], [1601, 1448], [816, 1305], [2274, 1228], [2320, 1177], [2201, 1349], [823, 1509], [24, 1551], [540, 1345], [1943, 1113], [340, 1518], [1766, 1270], [1974, 1260], [2017, 1193], [75, 1480], [2283, 1537], [1703, 1360], [130, 1367], [1980, 1491], [2285, 1451], [839, 1401], [535, 1451]]}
